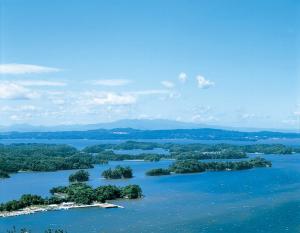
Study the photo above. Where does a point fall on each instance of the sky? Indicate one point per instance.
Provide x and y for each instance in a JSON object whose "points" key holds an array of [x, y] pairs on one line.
{"points": [[216, 62]]}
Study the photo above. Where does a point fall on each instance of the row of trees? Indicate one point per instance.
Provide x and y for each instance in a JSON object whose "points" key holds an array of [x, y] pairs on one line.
{"points": [[195, 147], [158, 172], [128, 145], [51, 157], [224, 154], [110, 155], [118, 173], [79, 193], [43, 157], [194, 166], [195, 151], [79, 176], [3, 174]]}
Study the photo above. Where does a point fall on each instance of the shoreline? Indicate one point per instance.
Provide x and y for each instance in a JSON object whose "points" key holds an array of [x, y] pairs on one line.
{"points": [[55, 207]]}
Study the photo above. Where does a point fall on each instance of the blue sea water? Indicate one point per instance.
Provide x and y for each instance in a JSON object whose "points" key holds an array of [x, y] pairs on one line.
{"points": [[263, 200], [81, 143]]}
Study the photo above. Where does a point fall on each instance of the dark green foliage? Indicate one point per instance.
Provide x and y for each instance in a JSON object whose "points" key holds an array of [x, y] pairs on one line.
{"points": [[158, 172], [59, 189], [25, 201], [268, 149], [109, 155], [131, 145], [152, 157], [3, 174], [195, 151], [130, 134], [131, 192], [187, 166], [42, 157], [51, 157], [79, 176], [98, 148], [108, 192], [193, 166], [224, 154], [79, 193], [118, 173], [223, 151]]}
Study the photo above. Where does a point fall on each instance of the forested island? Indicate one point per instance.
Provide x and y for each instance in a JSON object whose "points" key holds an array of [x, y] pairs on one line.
{"points": [[52, 157], [79, 176], [158, 172], [118, 173], [78, 194], [43, 157], [194, 166]]}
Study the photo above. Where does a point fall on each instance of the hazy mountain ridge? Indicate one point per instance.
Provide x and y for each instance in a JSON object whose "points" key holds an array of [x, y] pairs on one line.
{"points": [[141, 124], [133, 134]]}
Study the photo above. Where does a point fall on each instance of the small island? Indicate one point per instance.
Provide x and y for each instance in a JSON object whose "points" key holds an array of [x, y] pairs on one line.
{"points": [[194, 166], [118, 173], [76, 195], [79, 176], [52, 157], [158, 172]]}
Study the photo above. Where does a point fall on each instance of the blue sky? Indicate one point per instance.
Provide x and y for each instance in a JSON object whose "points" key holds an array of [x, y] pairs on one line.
{"points": [[221, 62]]}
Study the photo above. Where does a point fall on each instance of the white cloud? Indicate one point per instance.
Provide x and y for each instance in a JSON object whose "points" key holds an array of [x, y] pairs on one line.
{"points": [[111, 82], [164, 94], [297, 113], [41, 83], [182, 77], [204, 83], [25, 69], [151, 92], [111, 98], [247, 116], [19, 108], [12, 91], [167, 84], [91, 98], [204, 119]]}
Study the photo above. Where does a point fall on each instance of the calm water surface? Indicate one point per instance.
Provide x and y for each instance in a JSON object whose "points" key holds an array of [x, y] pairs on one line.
{"points": [[81, 143], [265, 200]]}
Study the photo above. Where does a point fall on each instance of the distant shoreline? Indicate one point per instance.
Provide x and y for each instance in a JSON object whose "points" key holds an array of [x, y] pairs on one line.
{"points": [[55, 207]]}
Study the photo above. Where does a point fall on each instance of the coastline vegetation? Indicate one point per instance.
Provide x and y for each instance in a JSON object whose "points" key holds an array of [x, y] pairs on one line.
{"points": [[79, 176], [52, 157], [78, 193], [3, 174], [158, 172], [43, 157], [118, 173], [196, 147], [194, 166]]}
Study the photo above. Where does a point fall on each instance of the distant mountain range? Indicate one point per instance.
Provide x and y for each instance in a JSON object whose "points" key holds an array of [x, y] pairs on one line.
{"points": [[141, 124], [134, 134], [126, 123]]}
